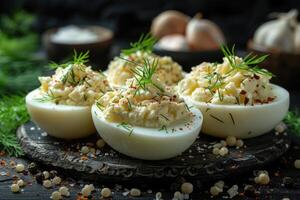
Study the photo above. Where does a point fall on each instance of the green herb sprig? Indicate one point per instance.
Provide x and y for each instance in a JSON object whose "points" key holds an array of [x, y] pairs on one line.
{"points": [[143, 74], [145, 43], [126, 126], [49, 96], [78, 59], [249, 63], [13, 113], [292, 119]]}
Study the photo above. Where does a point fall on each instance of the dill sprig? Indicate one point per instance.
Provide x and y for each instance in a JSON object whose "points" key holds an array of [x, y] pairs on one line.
{"points": [[216, 81], [126, 126], [292, 119], [163, 128], [49, 96], [249, 63], [78, 59], [13, 113], [145, 43], [143, 74]]}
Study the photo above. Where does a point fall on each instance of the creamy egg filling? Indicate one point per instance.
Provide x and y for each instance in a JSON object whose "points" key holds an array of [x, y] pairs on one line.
{"points": [[224, 83], [119, 70], [75, 84], [152, 106]]}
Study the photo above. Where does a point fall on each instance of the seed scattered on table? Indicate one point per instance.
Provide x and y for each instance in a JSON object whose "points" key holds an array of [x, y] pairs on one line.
{"points": [[15, 188], [215, 191], [64, 191], [223, 151], [46, 174], [47, 183], [297, 164], [106, 192], [56, 195], [20, 168], [56, 180], [32, 168], [262, 178], [158, 196], [21, 183], [86, 191], [220, 184], [231, 141], [85, 150], [187, 188], [100, 143], [177, 196], [135, 192], [233, 191]]}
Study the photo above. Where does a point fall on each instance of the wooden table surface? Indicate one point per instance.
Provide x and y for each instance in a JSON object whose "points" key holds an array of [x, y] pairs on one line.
{"points": [[277, 189]]}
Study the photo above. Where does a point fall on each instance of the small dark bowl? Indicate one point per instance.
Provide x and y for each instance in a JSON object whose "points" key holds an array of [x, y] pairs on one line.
{"points": [[285, 66], [99, 50], [189, 59]]}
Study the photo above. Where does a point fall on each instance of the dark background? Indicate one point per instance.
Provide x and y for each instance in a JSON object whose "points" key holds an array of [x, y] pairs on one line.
{"points": [[238, 19]]}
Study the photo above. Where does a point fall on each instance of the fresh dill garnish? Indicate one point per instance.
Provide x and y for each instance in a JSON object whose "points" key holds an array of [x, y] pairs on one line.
{"points": [[126, 126], [188, 108], [216, 118], [292, 120], [101, 73], [49, 96], [13, 113], [232, 119], [100, 106], [78, 59], [216, 81], [143, 74], [163, 128], [145, 43], [248, 63], [129, 104], [166, 118], [69, 76]]}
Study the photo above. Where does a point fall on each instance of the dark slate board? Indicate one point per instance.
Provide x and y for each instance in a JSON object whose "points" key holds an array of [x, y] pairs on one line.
{"points": [[196, 163]]}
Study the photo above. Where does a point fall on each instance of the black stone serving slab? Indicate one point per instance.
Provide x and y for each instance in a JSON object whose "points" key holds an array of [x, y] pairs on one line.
{"points": [[197, 163]]}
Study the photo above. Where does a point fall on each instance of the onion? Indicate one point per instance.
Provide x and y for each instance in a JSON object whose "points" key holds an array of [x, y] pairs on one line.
{"points": [[169, 22], [203, 34], [174, 42]]}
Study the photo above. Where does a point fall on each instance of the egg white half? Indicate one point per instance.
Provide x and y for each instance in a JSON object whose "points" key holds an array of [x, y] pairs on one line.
{"points": [[61, 121], [243, 121], [149, 143]]}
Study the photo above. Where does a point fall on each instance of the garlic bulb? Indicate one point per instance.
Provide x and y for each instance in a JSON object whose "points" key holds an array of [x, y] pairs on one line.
{"points": [[174, 42], [169, 22], [278, 34], [203, 34]]}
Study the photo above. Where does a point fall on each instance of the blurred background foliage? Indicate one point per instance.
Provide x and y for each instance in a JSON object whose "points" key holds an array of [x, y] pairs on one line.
{"points": [[20, 63]]}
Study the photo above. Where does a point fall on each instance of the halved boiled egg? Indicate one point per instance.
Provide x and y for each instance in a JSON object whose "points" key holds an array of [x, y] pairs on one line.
{"points": [[61, 121], [243, 121], [149, 143]]}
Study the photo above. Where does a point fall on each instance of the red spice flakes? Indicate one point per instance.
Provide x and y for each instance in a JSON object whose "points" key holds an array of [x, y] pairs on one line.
{"points": [[256, 77], [80, 197], [243, 92], [246, 100], [84, 158], [3, 163], [270, 99]]}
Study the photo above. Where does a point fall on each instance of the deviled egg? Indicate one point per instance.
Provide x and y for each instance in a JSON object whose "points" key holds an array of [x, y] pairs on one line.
{"points": [[146, 119], [235, 97], [120, 70], [62, 104]]}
